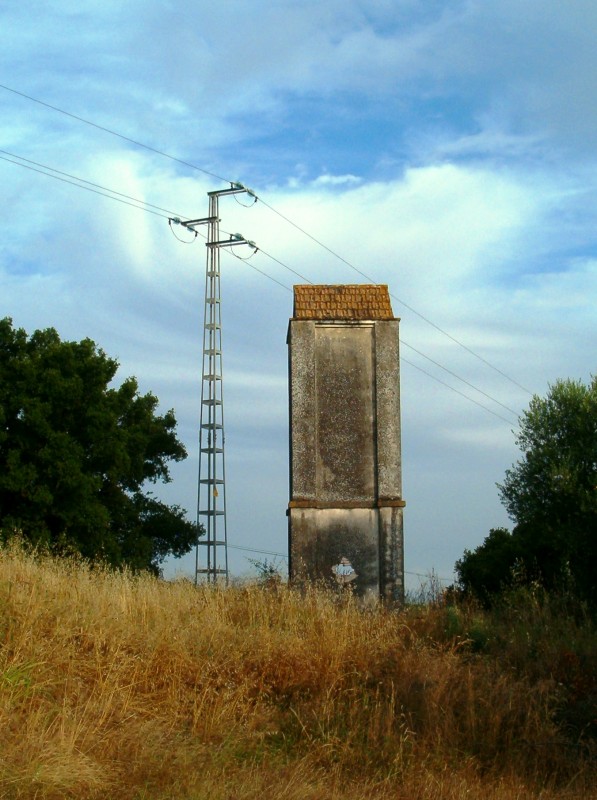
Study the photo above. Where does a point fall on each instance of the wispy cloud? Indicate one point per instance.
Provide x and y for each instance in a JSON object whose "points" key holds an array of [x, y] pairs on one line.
{"points": [[336, 180]]}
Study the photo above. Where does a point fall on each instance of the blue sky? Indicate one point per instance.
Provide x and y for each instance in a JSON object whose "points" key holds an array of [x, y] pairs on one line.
{"points": [[445, 148]]}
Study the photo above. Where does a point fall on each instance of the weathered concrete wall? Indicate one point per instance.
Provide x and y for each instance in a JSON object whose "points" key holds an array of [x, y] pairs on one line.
{"points": [[387, 408], [345, 472], [303, 405], [344, 413], [391, 552], [320, 538]]}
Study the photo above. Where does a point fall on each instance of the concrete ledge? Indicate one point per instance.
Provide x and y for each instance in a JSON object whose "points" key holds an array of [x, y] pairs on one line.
{"points": [[381, 503]]}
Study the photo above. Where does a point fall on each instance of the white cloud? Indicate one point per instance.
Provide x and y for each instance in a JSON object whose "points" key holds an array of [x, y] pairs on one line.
{"points": [[336, 180]]}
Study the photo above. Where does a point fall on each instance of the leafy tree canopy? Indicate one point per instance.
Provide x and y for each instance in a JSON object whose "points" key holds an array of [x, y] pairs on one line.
{"points": [[76, 455], [486, 570], [551, 495]]}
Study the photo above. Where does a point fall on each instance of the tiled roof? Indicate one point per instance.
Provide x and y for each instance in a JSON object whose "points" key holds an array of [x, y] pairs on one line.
{"points": [[342, 301]]}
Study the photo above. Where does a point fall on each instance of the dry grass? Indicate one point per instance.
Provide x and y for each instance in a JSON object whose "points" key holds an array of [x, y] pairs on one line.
{"points": [[117, 686]]}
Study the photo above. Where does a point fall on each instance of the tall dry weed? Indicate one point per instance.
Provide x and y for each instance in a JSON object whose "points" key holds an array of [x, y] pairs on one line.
{"points": [[122, 686]]}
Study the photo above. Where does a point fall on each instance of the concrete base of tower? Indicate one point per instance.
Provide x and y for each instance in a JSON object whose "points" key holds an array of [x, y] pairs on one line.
{"points": [[360, 549]]}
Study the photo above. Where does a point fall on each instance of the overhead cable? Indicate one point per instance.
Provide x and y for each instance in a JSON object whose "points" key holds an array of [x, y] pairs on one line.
{"points": [[110, 194], [414, 349], [281, 215], [428, 576], [82, 180], [395, 297], [406, 344], [114, 133], [447, 385], [468, 383], [253, 550], [87, 188], [250, 264], [298, 274]]}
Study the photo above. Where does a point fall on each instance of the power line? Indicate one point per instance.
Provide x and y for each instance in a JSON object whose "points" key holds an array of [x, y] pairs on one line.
{"points": [[285, 556], [447, 385], [428, 358], [87, 188], [406, 361], [81, 183], [294, 272], [468, 383], [252, 266], [395, 297], [145, 206], [429, 576], [114, 133], [280, 214], [253, 550], [269, 277]]}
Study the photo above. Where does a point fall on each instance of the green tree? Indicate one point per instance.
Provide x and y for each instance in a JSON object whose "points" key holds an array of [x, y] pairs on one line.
{"points": [[486, 570], [76, 455], [551, 495]]}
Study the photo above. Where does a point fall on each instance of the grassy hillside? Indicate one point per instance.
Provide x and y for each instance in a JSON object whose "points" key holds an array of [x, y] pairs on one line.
{"points": [[117, 686]]}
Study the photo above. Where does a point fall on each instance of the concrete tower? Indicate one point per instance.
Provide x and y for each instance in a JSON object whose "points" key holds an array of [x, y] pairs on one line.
{"points": [[346, 506]]}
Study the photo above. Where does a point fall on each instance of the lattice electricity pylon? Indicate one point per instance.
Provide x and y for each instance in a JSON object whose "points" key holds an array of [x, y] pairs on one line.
{"points": [[211, 492]]}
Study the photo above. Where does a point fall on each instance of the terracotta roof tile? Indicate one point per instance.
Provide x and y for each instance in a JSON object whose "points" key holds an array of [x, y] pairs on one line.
{"points": [[342, 301]]}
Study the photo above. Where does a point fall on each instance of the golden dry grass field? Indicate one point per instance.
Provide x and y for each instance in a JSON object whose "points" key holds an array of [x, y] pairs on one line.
{"points": [[121, 686]]}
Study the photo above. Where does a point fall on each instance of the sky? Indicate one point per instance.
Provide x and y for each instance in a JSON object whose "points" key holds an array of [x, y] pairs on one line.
{"points": [[447, 148]]}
